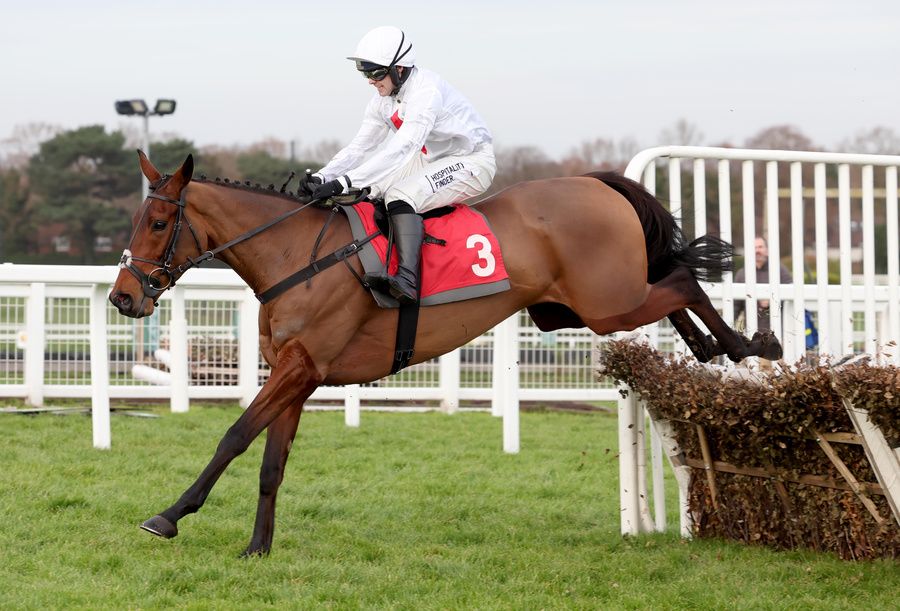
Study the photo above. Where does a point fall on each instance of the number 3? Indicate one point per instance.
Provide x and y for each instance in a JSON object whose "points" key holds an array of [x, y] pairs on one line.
{"points": [[484, 253]]}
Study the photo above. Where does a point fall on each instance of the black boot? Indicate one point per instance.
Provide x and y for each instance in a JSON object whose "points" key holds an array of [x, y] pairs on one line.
{"points": [[408, 234]]}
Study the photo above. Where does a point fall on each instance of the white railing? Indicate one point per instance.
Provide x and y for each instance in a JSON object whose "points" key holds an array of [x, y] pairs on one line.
{"points": [[207, 329], [850, 196]]}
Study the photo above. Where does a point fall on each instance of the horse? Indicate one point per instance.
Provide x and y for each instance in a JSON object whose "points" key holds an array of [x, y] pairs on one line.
{"points": [[596, 251]]}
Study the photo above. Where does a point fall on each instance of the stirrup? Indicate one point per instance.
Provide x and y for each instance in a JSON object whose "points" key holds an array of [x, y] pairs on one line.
{"points": [[400, 295], [378, 280]]}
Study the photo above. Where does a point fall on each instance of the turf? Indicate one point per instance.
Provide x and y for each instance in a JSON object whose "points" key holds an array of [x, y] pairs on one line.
{"points": [[410, 511]]}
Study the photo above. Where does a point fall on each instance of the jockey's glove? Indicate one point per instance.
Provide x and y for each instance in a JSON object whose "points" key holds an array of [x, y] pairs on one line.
{"points": [[331, 188], [309, 182]]}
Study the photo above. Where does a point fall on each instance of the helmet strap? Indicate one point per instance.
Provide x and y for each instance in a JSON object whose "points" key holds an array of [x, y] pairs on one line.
{"points": [[396, 78]]}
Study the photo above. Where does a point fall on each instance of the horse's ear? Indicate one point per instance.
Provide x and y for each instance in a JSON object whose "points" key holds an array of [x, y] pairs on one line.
{"points": [[187, 168], [148, 168], [183, 175]]}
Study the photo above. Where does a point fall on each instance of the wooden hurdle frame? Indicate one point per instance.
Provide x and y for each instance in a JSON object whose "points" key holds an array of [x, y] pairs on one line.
{"points": [[634, 497]]}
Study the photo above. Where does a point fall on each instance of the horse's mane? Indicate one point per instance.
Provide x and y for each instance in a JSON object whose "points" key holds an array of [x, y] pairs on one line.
{"points": [[252, 187]]}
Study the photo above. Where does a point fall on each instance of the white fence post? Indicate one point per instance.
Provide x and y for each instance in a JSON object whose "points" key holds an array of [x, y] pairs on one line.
{"points": [[449, 372], [351, 405], [893, 261], [248, 341], [99, 369], [178, 342], [510, 381], [498, 369], [36, 311], [628, 465]]}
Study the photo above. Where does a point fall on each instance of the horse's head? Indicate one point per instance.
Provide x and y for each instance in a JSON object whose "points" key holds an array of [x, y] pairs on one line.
{"points": [[159, 247]]}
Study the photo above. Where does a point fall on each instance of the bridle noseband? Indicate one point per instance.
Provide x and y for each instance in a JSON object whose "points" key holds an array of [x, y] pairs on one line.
{"points": [[162, 277]]}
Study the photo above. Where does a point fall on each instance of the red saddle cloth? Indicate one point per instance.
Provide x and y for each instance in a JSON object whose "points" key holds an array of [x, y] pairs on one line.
{"points": [[468, 265]]}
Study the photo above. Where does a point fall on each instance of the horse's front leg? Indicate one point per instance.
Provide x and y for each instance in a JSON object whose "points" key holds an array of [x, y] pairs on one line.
{"points": [[279, 439], [293, 379]]}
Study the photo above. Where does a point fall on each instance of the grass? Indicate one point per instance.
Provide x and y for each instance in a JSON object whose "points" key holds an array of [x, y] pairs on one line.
{"points": [[411, 511]]}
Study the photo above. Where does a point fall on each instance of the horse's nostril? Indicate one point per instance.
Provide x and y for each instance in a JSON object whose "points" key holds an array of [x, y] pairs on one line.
{"points": [[121, 300]]}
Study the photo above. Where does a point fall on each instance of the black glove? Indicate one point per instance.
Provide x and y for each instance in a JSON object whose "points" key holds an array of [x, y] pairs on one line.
{"points": [[308, 183], [330, 188]]}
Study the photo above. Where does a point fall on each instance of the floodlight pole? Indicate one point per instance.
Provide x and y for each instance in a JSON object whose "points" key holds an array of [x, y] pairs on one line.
{"points": [[140, 108]]}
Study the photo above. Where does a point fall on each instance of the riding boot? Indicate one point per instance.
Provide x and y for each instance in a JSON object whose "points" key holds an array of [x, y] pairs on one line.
{"points": [[408, 233]]}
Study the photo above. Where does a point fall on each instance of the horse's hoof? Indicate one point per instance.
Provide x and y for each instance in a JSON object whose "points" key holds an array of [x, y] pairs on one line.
{"points": [[161, 527], [773, 352], [770, 347], [252, 552]]}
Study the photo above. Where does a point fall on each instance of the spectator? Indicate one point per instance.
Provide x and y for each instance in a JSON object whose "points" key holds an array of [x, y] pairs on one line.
{"points": [[761, 248]]}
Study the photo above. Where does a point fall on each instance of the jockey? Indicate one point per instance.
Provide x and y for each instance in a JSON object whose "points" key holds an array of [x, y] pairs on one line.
{"points": [[421, 146]]}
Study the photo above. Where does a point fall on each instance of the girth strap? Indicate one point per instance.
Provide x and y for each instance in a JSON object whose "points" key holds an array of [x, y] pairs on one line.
{"points": [[404, 345]]}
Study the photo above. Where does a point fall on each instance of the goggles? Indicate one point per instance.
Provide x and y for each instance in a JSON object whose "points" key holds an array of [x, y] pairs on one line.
{"points": [[372, 71]]}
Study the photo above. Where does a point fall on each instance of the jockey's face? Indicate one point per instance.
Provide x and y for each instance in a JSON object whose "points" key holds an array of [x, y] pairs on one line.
{"points": [[386, 85]]}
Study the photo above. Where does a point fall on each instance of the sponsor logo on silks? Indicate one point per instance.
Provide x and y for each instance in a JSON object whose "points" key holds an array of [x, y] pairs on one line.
{"points": [[444, 177]]}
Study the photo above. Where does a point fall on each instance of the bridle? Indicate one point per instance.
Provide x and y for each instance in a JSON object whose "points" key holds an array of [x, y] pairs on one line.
{"points": [[162, 277]]}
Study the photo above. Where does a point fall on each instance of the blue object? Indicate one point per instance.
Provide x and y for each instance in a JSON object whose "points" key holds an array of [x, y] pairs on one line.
{"points": [[812, 334]]}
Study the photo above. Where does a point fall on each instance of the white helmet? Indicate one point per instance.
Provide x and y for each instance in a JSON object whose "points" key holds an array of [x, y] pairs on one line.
{"points": [[386, 46]]}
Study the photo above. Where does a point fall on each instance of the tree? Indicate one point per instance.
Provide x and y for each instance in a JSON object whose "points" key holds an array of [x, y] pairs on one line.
{"points": [[17, 225], [322, 150], [599, 154], [782, 138], [522, 163], [76, 179], [262, 167], [876, 141], [682, 133], [25, 142], [169, 155]]}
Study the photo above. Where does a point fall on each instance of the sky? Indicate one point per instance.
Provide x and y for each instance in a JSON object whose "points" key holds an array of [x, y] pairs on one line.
{"points": [[546, 74]]}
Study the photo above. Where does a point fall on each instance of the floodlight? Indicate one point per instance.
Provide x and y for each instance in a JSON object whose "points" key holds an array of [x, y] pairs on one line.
{"points": [[131, 107], [164, 107]]}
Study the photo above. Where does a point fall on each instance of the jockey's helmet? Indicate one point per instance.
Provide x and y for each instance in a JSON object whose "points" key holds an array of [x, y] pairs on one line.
{"points": [[386, 47]]}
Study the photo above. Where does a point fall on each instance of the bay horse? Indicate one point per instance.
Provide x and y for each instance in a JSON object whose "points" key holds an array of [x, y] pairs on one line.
{"points": [[595, 251]]}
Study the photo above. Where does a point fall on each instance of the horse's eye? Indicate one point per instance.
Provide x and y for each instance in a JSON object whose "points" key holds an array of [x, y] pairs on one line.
{"points": [[158, 225]]}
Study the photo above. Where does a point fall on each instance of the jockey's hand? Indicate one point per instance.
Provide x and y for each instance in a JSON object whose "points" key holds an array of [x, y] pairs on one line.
{"points": [[308, 183], [328, 189]]}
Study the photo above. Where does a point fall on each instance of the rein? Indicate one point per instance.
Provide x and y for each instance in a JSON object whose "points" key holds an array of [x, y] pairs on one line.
{"points": [[163, 276]]}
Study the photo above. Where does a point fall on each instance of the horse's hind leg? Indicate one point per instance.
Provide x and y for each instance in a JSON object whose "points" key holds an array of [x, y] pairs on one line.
{"points": [[704, 347], [732, 343], [279, 439], [680, 290], [293, 379]]}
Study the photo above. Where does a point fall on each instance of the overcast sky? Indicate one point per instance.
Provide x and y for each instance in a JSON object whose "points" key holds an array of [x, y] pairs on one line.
{"points": [[551, 74]]}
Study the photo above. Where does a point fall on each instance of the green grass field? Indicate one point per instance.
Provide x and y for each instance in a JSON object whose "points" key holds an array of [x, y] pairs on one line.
{"points": [[411, 511]]}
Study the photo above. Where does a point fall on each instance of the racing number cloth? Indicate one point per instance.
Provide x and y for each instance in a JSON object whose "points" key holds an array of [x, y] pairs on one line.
{"points": [[469, 265]]}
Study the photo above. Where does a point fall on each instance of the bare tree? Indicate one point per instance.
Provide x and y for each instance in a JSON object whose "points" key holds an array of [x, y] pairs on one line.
{"points": [[25, 140], [522, 163], [322, 150], [599, 154], [272, 146], [682, 133], [781, 137], [879, 140]]}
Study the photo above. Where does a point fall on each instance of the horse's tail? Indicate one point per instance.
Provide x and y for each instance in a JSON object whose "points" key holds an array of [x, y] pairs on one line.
{"points": [[707, 256]]}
